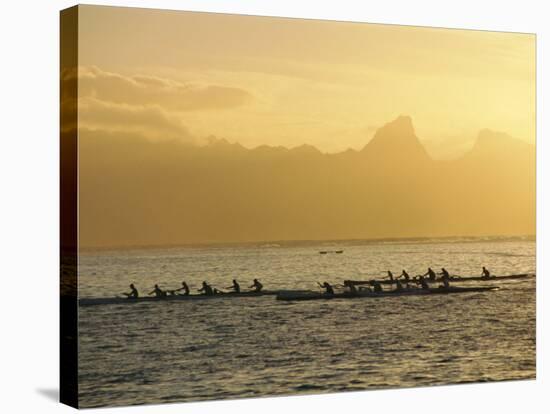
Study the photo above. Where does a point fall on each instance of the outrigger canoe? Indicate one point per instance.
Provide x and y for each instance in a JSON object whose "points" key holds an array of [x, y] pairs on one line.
{"points": [[293, 295], [451, 279], [169, 298]]}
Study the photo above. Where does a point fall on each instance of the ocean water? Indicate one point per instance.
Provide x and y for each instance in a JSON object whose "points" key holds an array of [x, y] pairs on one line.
{"points": [[248, 347]]}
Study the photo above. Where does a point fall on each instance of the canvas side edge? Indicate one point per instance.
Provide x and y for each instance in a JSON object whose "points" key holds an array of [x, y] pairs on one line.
{"points": [[68, 169]]}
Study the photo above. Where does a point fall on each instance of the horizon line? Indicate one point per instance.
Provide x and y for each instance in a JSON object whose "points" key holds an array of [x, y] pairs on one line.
{"points": [[301, 241]]}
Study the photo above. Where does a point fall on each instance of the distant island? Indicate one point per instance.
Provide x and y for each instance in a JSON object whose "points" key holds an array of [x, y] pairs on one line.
{"points": [[134, 191]]}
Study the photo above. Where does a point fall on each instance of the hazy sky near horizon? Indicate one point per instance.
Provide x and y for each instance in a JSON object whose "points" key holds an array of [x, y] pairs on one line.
{"points": [[275, 81]]}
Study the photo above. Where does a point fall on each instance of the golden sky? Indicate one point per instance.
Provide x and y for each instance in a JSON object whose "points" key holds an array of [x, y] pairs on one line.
{"points": [[275, 81]]}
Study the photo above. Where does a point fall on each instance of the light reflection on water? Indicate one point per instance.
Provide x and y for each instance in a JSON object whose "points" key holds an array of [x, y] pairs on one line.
{"points": [[227, 348]]}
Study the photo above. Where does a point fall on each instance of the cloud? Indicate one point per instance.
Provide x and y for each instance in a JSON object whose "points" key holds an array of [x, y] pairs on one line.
{"points": [[150, 121], [150, 90], [152, 107]]}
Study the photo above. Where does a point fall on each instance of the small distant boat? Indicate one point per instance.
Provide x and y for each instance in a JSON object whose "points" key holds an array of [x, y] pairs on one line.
{"points": [[296, 295], [331, 251]]}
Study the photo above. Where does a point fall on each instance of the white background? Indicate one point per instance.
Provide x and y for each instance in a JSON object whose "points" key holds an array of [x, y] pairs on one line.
{"points": [[29, 193]]}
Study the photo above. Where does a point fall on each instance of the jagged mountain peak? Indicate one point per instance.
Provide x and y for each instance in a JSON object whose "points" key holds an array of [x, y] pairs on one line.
{"points": [[222, 144], [305, 149], [397, 139], [498, 144]]}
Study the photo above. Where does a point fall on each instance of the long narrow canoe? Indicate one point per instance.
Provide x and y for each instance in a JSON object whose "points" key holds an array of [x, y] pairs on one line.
{"points": [[170, 298], [290, 295], [452, 279]]}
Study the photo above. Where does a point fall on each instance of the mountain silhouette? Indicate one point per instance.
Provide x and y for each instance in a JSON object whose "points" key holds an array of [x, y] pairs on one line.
{"points": [[499, 147], [137, 192], [396, 142], [306, 150]]}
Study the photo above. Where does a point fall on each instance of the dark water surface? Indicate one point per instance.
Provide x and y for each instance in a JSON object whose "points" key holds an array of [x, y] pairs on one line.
{"points": [[245, 347]]}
